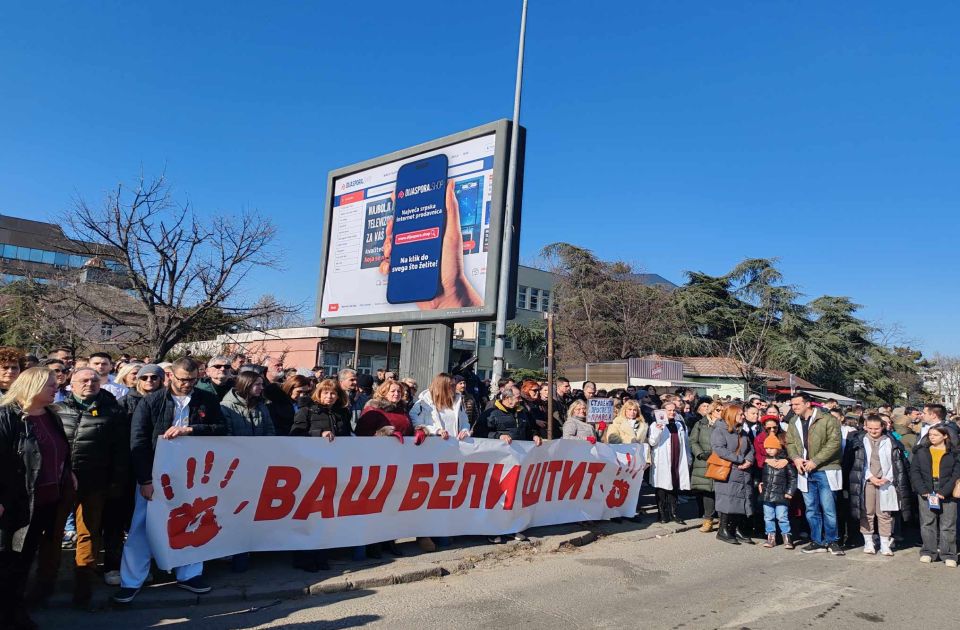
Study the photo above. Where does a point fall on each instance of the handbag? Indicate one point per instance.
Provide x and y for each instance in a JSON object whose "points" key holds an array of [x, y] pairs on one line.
{"points": [[718, 468]]}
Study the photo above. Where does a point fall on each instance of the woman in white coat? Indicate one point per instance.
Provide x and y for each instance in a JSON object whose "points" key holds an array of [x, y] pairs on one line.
{"points": [[439, 410], [670, 467]]}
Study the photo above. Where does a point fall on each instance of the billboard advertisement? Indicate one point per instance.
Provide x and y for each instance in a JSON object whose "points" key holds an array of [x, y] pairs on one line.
{"points": [[416, 235]]}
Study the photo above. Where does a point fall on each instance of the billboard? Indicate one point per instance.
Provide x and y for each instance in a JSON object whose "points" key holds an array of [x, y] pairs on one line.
{"points": [[416, 235]]}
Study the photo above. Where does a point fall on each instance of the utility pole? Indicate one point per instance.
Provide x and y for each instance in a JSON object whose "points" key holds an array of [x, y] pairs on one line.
{"points": [[506, 254]]}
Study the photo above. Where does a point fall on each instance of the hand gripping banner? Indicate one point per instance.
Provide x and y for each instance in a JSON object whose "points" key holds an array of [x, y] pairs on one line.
{"points": [[215, 497]]}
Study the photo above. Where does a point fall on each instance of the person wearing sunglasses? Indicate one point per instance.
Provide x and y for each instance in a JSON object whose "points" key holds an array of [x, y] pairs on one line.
{"points": [[219, 377], [62, 373], [179, 410]]}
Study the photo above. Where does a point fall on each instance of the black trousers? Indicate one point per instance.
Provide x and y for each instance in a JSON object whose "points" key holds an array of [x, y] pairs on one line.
{"points": [[15, 565], [667, 502], [706, 503]]}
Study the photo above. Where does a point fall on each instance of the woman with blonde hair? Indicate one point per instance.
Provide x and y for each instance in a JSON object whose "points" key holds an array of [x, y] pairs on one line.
{"points": [[628, 427], [576, 426], [35, 477], [439, 410], [734, 498], [127, 375]]}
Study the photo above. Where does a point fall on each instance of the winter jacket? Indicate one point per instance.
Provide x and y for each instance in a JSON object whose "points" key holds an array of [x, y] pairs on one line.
{"points": [[625, 431], [218, 390], [424, 414], [536, 410], [155, 414], [282, 411], [778, 482], [19, 467], [856, 468], [96, 435], [661, 456], [823, 439], [471, 407], [921, 472], [733, 496], [700, 449], [950, 428], [514, 423], [578, 429], [243, 420], [379, 414], [315, 419]]}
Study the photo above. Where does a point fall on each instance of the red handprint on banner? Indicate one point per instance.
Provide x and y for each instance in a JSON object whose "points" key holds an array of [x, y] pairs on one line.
{"points": [[621, 487], [195, 524]]}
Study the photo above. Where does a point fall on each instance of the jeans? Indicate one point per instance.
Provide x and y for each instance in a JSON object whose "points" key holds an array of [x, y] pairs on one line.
{"points": [[821, 509], [939, 524], [774, 513]]}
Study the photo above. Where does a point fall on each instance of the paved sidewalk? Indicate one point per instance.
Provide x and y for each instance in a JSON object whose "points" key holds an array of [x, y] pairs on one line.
{"points": [[271, 575]]}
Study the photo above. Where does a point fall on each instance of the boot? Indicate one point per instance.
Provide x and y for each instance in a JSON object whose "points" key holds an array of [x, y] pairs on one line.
{"points": [[736, 529], [771, 541], [673, 515], [787, 541], [82, 587], [707, 526], [723, 531]]}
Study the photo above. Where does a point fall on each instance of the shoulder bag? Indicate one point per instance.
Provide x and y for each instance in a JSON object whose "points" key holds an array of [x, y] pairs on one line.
{"points": [[718, 468]]}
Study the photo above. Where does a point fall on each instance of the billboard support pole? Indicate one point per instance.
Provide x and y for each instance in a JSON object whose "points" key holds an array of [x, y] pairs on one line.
{"points": [[506, 254], [356, 350]]}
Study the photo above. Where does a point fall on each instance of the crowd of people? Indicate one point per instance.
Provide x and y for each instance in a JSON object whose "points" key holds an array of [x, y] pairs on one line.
{"points": [[78, 435]]}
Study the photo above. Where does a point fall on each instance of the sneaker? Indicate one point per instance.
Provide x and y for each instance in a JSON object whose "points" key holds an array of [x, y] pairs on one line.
{"points": [[520, 536], [814, 548], [125, 595], [836, 549], [495, 540], [112, 578], [926, 559], [195, 585], [869, 548], [950, 563]]}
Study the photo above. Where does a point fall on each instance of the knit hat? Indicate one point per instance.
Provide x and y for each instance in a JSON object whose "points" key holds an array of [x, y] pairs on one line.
{"points": [[150, 369], [772, 441]]}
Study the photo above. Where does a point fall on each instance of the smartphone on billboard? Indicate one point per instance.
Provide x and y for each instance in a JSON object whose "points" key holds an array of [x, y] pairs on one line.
{"points": [[470, 199], [419, 220]]}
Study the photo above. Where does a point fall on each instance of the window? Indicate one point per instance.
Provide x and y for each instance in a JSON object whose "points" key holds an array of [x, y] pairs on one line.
{"points": [[482, 335], [331, 363], [36, 255], [534, 299], [106, 330], [61, 260], [47, 257], [77, 261], [23, 253], [522, 297], [9, 251], [364, 364], [507, 342], [545, 300]]}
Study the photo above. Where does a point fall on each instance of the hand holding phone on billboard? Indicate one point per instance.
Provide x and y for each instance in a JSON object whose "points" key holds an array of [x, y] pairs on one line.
{"points": [[454, 289]]}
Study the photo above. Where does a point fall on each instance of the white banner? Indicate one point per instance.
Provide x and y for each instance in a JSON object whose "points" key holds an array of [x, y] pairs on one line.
{"points": [[215, 497]]}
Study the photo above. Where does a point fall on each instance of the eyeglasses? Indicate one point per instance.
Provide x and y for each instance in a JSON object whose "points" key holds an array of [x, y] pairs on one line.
{"points": [[9, 368], [219, 367], [185, 380], [59, 370], [149, 377]]}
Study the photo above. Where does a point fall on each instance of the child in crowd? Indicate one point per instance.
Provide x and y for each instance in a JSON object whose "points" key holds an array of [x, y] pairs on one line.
{"points": [[778, 486]]}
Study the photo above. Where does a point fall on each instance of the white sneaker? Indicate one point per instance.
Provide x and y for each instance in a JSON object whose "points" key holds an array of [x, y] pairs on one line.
{"points": [[868, 547], [950, 563], [885, 549], [112, 578], [926, 559]]}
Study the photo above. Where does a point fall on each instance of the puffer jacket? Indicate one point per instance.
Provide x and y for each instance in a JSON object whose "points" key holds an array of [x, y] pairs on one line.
{"points": [[855, 464], [98, 438], [778, 482], [244, 421], [20, 462], [700, 449], [315, 419], [514, 423]]}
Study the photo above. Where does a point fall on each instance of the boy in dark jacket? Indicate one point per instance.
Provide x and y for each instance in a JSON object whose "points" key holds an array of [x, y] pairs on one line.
{"points": [[778, 486]]}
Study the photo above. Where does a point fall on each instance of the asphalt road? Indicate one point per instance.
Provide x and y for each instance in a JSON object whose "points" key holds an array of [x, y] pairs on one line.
{"points": [[688, 580]]}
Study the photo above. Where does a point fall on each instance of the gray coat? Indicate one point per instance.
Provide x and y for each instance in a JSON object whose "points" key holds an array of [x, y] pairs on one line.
{"points": [[574, 428], [735, 495], [243, 420], [700, 437]]}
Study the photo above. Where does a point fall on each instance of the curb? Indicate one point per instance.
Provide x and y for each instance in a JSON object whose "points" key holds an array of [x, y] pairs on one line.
{"points": [[343, 583]]}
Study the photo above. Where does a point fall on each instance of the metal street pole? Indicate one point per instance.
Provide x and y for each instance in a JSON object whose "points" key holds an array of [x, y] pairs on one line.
{"points": [[550, 383], [356, 350], [506, 254]]}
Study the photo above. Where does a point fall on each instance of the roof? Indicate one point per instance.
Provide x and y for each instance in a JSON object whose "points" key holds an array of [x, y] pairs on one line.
{"points": [[782, 379], [712, 367]]}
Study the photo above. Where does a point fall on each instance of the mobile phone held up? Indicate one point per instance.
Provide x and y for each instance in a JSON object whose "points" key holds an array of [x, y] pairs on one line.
{"points": [[419, 220]]}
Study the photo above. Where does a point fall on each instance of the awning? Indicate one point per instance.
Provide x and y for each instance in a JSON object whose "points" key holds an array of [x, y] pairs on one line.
{"points": [[843, 400]]}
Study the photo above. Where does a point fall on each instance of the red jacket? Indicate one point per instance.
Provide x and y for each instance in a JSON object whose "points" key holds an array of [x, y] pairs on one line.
{"points": [[378, 414]]}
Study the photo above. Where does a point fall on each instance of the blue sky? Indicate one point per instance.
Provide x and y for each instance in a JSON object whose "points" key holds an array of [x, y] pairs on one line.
{"points": [[677, 135]]}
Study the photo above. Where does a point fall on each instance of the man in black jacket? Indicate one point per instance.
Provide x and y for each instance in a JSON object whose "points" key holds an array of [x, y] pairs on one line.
{"points": [[92, 421], [178, 410]]}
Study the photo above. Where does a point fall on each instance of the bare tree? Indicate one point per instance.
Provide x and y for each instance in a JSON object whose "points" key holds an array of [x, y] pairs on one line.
{"points": [[182, 270], [943, 380]]}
